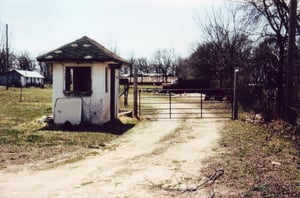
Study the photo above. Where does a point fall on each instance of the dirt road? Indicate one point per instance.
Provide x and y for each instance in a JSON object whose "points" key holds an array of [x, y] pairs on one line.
{"points": [[162, 152]]}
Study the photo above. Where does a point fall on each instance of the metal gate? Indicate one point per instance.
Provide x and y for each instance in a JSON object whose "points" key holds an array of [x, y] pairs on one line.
{"points": [[181, 104]]}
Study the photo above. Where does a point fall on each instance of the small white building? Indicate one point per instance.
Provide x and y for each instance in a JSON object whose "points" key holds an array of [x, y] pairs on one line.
{"points": [[22, 78], [85, 82]]}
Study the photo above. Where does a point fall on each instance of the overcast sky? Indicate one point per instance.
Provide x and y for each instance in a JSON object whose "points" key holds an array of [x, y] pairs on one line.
{"points": [[136, 27]]}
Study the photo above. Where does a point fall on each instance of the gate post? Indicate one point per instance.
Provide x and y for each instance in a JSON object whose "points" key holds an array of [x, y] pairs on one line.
{"points": [[170, 104], [235, 103], [139, 103]]}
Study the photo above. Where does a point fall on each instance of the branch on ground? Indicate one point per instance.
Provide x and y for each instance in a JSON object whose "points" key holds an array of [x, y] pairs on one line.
{"points": [[208, 182]]}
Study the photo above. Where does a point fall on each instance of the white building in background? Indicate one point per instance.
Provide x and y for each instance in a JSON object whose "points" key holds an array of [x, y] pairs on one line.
{"points": [[17, 78]]}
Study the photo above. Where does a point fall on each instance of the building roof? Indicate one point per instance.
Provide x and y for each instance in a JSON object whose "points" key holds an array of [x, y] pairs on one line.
{"points": [[83, 49], [29, 74]]}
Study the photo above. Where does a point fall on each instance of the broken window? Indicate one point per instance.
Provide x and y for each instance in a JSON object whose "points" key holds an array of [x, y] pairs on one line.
{"points": [[78, 81]]}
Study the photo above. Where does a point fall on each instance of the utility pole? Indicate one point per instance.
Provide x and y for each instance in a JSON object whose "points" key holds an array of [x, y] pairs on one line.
{"points": [[7, 58], [290, 98]]}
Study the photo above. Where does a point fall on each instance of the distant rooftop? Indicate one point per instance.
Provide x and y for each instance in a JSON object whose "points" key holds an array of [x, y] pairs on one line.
{"points": [[83, 49], [29, 74]]}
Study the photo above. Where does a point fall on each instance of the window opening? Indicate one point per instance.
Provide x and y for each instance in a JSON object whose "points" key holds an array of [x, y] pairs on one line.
{"points": [[78, 81]]}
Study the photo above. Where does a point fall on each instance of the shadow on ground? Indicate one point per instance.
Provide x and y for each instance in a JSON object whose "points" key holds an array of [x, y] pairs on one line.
{"points": [[115, 127]]}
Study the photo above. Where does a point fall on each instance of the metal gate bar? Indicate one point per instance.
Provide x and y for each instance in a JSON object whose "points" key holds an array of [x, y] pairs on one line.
{"points": [[169, 101]]}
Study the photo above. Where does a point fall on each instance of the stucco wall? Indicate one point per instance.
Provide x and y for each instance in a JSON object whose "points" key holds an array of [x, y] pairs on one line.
{"points": [[96, 108]]}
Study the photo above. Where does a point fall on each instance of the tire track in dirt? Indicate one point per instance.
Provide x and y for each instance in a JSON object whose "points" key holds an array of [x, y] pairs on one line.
{"points": [[162, 151]]}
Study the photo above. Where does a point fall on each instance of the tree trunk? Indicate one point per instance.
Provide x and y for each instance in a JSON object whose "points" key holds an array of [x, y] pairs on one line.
{"points": [[290, 92], [280, 81]]}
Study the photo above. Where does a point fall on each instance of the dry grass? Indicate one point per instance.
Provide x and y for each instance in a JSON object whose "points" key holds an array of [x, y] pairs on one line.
{"points": [[259, 160], [25, 139]]}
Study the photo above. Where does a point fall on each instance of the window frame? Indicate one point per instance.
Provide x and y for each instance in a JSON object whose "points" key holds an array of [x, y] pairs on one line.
{"points": [[72, 74]]}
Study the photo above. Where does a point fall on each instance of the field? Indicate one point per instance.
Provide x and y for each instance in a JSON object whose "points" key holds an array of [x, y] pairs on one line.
{"points": [[25, 139]]}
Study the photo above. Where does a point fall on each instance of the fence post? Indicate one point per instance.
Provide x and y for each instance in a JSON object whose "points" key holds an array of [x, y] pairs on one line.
{"points": [[201, 105], [170, 104], [139, 102]]}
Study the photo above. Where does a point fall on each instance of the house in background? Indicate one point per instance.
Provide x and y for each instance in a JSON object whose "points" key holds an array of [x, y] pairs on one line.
{"points": [[17, 78], [85, 82]]}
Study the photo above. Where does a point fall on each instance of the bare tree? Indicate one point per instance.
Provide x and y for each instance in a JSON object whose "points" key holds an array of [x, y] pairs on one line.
{"points": [[164, 59], [25, 62], [3, 50], [184, 69], [2, 60], [272, 17], [205, 65], [143, 66], [7, 57], [227, 46], [46, 70], [132, 61], [291, 97]]}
